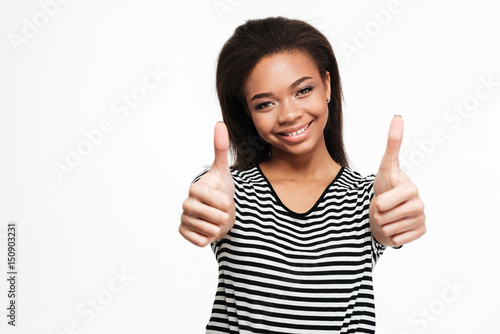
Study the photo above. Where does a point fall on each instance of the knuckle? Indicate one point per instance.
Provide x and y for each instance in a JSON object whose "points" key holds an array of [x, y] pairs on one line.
{"points": [[419, 220], [231, 205], [423, 206], [224, 218], [416, 210], [187, 206], [386, 231], [414, 190], [199, 243], [216, 232], [200, 240], [184, 221], [396, 242], [379, 204], [181, 229], [424, 230], [377, 218], [392, 141], [209, 192], [210, 230], [420, 206], [227, 203], [193, 190]]}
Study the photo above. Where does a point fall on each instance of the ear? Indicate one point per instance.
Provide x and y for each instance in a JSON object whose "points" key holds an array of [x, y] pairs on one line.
{"points": [[326, 83]]}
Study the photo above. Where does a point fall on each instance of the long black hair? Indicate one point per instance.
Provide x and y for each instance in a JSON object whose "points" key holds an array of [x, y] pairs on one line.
{"points": [[251, 42]]}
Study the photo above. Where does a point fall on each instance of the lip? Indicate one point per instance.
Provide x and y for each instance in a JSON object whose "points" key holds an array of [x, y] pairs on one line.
{"points": [[296, 138], [294, 128]]}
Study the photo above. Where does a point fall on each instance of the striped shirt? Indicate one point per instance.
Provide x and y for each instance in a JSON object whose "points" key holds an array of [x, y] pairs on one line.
{"points": [[287, 272]]}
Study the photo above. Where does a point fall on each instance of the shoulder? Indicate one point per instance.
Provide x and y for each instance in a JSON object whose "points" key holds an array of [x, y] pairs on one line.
{"points": [[353, 180], [247, 176]]}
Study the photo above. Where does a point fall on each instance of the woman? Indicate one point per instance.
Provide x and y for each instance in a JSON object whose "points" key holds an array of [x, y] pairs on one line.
{"points": [[296, 233]]}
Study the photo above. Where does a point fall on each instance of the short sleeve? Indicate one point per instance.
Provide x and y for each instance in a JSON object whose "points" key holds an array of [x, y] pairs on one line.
{"points": [[377, 250]]}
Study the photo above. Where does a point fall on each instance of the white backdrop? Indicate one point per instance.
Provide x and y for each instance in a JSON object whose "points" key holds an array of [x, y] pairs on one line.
{"points": [[107, 111]]}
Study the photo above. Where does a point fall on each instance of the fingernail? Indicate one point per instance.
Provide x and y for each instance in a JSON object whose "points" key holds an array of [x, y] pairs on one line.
{"points": [[398, 116]]}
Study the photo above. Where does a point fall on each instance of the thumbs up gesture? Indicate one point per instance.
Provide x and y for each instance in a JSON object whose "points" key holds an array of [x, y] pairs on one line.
{"points": [[209, 211], [396, 211]]}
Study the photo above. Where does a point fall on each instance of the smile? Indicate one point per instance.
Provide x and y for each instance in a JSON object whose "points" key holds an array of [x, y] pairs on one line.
{"points": [[299, 131], [294, 135], [296, 132]]}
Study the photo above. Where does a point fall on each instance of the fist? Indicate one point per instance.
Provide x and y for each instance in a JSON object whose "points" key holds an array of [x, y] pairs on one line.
{"points": [[209, 211], [396, 211]]}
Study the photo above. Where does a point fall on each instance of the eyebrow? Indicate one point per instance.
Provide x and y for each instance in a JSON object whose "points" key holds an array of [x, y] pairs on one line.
{"points": [[292, 86]]}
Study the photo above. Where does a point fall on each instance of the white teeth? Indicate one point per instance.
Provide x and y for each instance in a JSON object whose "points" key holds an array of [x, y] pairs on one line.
{"points": [[297, 132]]}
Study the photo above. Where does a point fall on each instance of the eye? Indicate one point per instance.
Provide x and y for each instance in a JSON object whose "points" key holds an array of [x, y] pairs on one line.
{"points": [[263, 105], [304, 91]]}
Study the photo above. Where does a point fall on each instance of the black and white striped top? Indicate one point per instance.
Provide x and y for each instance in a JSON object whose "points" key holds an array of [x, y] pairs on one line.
{"points": [[285, 272]]}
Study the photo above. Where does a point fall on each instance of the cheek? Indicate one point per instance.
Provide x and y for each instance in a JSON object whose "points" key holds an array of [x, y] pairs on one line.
{"points": [[316, 107], [262, 123], [322, 106], [321, 103]]}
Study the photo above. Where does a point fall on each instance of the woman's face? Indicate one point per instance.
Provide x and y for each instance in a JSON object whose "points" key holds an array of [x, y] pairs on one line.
{"points": [[286, 98]]}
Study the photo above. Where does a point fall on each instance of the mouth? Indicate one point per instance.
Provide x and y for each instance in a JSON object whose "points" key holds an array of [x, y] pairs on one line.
{"points": [[296, 132]]}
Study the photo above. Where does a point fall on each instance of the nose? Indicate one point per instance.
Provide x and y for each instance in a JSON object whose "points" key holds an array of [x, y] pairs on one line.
{"points": [[289, 112]]}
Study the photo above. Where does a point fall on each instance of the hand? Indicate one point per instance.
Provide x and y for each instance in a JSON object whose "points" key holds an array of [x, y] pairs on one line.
{"points": [[396, 211], [209, 211]]}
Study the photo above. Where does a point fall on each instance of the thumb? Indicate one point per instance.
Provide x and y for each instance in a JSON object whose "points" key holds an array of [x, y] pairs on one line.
{"points": [[221, 146], [388, 174], [390, 160]]}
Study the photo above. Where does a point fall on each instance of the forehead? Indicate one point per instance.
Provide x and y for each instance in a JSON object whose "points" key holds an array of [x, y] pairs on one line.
{"points": [[279, 69]]}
